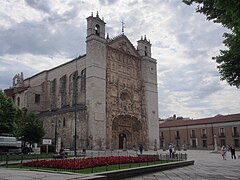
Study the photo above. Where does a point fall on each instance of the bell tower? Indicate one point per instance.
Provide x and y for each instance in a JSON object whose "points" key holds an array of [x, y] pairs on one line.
{"points": [[149, 75], [96, 81], [95, 28]]}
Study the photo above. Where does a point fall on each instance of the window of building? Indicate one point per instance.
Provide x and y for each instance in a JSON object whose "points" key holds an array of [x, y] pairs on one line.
{"points": [[194, 143], [193, 135], [161, 134], [161, 143], [236, 142], [18, 101], [177, 135], [146, 50], [37, 98], [235, 131], [204, 133], [222, 142], [64, 122], [204, 143], [221, 132], [97, 30]]}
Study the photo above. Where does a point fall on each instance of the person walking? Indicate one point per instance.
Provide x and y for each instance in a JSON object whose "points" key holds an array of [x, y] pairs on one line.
{"points": [[170, 148], [224, 152], [232, 150], [141, 148]]}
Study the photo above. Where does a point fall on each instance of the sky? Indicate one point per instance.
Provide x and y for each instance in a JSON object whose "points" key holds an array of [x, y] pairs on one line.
{"points": [[37, 35]]}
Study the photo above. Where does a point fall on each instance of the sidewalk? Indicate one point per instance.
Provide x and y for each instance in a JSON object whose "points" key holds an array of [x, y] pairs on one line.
{"points": [[208, 166]]}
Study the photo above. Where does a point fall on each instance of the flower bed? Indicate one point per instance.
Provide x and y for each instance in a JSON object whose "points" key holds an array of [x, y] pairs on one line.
{"points": [[82, 163]]}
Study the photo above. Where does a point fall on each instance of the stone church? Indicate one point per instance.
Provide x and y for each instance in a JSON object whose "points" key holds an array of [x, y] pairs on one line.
{"points": [[105, 99]]}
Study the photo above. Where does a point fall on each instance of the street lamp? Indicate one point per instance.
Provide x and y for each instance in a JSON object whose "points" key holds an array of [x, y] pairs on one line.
{"points": [[56, 123]]}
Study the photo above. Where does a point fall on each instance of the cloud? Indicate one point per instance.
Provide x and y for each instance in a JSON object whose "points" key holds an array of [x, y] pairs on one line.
{"points": [[38, 35]]}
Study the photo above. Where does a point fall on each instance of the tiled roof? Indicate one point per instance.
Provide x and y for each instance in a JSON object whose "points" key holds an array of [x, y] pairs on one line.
{"points": [[215, 119]]}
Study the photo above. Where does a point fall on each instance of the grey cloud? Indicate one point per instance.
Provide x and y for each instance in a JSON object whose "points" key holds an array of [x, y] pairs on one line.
{"points": [[39, 5], [37, 38], [6, 76], [107, 2], [196, 79]]}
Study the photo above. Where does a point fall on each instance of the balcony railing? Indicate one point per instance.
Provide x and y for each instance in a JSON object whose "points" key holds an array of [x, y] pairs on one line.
{"points": [[235, 134], [193, 135], [177, 137], [221, 134], [204, 135]]}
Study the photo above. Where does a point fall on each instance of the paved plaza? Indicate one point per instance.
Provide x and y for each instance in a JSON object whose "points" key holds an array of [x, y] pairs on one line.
{"points": [[207, 165]]}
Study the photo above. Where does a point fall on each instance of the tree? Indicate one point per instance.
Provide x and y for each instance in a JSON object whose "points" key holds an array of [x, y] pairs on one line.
{"points": [[10, 116], [32, 131], [226, 12]]}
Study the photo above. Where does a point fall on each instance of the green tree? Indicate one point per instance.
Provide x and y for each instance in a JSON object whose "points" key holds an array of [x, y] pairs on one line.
{"points": [[226, 12], [10, 116], [32, 131]]}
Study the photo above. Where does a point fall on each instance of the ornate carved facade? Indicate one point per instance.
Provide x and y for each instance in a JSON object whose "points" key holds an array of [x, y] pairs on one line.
{"points": [[126, 113]]}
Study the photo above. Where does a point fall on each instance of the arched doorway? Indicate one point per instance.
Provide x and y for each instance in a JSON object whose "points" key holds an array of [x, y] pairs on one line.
{"points": [[122, 140]]}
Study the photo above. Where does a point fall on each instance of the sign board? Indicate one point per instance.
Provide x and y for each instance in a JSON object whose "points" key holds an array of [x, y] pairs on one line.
{"points": [[47, 141]]}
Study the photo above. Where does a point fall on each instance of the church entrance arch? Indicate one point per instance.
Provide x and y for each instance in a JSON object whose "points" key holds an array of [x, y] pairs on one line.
{"points": [[127, 132]]}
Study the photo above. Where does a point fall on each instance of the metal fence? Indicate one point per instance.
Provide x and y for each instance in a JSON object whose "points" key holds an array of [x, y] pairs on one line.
{"points": [[8, 160]]}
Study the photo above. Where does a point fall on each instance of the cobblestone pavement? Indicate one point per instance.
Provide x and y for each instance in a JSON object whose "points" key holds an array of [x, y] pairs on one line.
{"points": [[208, 166]]}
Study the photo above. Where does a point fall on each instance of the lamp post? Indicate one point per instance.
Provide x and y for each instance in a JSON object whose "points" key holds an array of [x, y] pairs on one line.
{"points": [[56, 123]]}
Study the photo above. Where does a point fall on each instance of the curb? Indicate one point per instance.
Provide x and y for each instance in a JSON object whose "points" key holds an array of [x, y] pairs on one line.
{"points": [[126, 173]]}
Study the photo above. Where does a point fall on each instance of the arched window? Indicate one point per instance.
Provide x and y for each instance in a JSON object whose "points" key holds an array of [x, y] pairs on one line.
{"points": [[97, 30], [64, 122], [146, 50]]}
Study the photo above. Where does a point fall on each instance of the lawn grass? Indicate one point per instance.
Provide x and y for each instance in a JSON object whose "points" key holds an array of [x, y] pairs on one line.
{"points": [[94, 169]]}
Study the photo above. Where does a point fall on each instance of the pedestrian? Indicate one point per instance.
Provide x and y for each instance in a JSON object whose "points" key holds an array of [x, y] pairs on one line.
{"points": [[141, 148], [170, 148], [232, 150], [62, 152], [173, 151], [224, 152]]}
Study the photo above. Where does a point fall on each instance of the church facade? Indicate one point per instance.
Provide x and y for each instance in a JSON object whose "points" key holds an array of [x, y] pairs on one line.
{"points": [[105, 99]]}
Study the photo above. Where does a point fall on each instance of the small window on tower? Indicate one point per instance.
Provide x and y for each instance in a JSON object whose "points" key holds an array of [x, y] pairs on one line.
{"points": [[97, 30], [145, 50]]}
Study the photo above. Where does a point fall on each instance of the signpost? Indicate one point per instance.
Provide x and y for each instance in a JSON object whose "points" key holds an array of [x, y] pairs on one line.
{"points": [[47, 142]]}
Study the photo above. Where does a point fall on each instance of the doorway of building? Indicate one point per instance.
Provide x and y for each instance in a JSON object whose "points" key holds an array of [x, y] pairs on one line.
{"points": [[122, 140]]}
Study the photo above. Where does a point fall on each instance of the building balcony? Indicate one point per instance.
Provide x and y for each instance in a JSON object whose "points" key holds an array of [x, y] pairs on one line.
{"points": [[221, 135], [235, 135], [193, 136], [161, 137], [204, 135], [177, 137]]}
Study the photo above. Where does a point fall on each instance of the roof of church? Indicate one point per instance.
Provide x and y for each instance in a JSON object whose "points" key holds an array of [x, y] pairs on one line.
{"points": [[209, 120], [120, 37]]}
